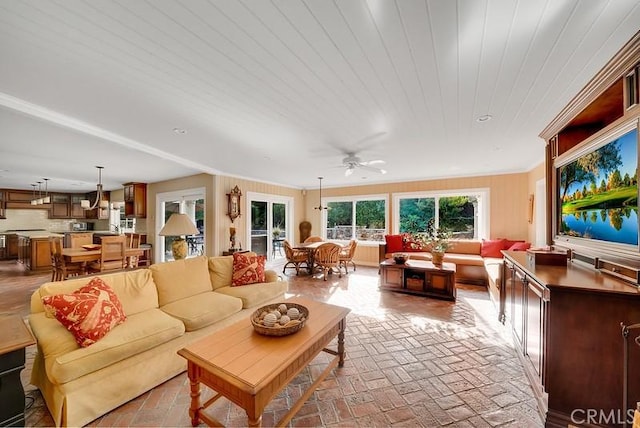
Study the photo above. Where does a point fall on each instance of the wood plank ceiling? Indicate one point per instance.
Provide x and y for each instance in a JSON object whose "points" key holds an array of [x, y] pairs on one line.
{"points": [[282, 90]]}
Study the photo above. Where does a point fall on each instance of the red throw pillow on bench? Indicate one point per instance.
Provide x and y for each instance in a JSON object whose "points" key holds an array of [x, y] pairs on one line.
{"points": [[492, 248], [394, 243], [520, 246]]}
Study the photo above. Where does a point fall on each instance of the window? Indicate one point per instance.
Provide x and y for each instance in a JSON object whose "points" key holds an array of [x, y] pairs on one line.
{"points": [[463, 212], [363, 218]]}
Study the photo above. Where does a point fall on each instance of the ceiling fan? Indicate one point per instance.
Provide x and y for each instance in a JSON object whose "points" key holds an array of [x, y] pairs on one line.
{"points": [[351, 162]]}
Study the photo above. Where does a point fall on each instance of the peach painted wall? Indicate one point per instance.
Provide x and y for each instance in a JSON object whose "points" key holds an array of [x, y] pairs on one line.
{"points": [[508, 204], [534, 175], [224, 185], [508, 196]]}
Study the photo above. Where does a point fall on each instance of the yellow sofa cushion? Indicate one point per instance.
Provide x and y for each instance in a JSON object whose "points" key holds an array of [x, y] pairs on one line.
{"points": [[465, 246], [181, 278], [203, 309], [220, 271], [65, 360], [135, 289], [255, 294]]}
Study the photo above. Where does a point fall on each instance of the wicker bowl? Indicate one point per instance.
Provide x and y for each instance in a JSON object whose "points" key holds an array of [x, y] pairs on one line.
{"points": [[279, 330], [400, 258]]}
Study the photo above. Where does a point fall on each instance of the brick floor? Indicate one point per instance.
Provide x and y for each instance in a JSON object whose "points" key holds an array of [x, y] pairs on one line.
{"points": [[411, 361]]}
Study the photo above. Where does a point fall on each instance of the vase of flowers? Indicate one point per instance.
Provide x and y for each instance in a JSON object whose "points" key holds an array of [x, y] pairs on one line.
{"points": [[436, 240]]}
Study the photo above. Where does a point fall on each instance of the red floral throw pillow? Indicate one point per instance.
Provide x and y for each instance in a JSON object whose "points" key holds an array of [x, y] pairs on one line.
{"points": [[248, 268], [492, 248], [89, 313]]}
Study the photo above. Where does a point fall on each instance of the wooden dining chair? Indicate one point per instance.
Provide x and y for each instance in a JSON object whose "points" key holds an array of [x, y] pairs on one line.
{"points": [[346, 255], [132, 241], [112, 257], [295, 258], [326, 258], [313, 239], [77, 240], [60, 269]]}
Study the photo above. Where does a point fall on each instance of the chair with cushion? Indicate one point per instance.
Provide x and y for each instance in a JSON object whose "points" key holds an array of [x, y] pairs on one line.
{"points": [[313, 239], [60, 269], [112, 255], [77, 240], [295, 258], [346, 255], [327, 258]]}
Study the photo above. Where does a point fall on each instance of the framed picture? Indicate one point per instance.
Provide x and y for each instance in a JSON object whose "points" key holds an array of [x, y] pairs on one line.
{"points": [[233, 201]]}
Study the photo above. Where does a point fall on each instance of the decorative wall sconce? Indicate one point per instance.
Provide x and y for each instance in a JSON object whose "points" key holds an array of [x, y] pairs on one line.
{"points": [[233, 201], [530, 209]]}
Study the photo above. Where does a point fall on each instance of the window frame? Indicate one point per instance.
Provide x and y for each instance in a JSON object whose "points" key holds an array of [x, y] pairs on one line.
{"points": [[353, 199], [483, 194]]}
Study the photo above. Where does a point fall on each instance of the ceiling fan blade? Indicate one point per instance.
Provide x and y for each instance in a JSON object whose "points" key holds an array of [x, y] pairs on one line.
{"points": [[359, 144], [373, 162], [372, 168]]}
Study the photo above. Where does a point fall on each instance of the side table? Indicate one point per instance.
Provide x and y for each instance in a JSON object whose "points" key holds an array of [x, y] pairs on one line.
{"points": [[14, 338]]}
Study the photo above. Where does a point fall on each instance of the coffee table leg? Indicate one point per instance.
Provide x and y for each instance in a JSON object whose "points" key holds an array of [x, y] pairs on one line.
{"points": [[254, 422], [195, 394], [343, 324]]}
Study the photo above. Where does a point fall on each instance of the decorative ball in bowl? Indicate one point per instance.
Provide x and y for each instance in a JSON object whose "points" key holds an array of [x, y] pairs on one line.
{"points": [[279, 319], [400, 258]]}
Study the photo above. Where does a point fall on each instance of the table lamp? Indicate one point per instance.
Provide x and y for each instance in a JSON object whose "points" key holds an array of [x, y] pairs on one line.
{"points": [[179, 225]]}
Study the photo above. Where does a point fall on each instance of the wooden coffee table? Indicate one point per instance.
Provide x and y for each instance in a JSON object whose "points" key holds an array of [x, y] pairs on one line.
{"points": [[419, 277], [250, 369]]}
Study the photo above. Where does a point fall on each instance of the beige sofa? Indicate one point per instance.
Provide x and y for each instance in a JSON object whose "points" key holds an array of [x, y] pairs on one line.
{"points": [[471, 267], [167, 306]]}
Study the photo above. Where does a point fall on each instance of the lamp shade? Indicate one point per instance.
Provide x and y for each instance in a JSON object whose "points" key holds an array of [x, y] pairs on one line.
{"points": [[178, 225]]}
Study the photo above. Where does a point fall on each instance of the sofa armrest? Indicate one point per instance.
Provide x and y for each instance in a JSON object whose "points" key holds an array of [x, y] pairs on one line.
{"points": [[271, 276]]}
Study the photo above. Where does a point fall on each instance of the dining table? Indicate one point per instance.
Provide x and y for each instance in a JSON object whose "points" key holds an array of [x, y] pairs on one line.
{"points": [[310, 248], [73, 255]]}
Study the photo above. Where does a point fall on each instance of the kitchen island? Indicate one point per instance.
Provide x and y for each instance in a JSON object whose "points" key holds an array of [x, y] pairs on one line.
{"points": [[34, 250]]}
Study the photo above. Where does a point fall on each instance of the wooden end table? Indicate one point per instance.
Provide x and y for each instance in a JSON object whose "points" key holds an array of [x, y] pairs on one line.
{"points": [[419, 277], [250, 369], [14, 337]]}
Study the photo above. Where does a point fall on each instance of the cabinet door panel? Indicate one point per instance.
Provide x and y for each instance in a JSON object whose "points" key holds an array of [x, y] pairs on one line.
{"points": [[392, 277], [534, 327], [519, 294]]}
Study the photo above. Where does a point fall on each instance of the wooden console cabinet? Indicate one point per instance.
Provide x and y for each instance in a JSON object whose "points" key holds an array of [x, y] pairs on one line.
{"points": [[419, 277], [566, 323], [14, 338]]}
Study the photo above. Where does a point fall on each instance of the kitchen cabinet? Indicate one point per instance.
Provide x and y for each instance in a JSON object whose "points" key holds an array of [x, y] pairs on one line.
{"points": [[21, 199], [76, 210], [3, 207], [135, 200], [12, 246], [24, 251], [60, 205], [98, 213]]}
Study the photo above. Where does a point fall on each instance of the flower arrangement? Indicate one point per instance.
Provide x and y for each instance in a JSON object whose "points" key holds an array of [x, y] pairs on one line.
{"points": [[436, 239]]}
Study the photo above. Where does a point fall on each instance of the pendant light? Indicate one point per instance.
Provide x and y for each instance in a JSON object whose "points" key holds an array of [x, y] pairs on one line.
{"points": [[320, 207], [34, 201], [47, 198], [86, 204]]}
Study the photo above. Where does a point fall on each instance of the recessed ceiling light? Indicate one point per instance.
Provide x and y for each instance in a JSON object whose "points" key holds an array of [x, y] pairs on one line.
{"points": [[484, 118], [179, 131]]}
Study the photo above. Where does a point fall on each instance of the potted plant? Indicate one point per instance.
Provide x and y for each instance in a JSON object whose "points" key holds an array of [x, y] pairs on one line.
{"points": [[276, 232], [437, 240]]}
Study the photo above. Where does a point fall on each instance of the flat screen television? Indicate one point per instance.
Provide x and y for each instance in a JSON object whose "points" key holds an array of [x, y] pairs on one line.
{"points": [[597, 192]]}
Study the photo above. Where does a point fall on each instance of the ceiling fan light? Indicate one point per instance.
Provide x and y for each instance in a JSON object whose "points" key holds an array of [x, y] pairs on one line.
{"points": [[348, 171], [383, 171]]}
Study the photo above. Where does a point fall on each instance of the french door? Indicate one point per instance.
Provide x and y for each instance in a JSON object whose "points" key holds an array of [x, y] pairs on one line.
{"points": [[190, 202], [269, 224]]}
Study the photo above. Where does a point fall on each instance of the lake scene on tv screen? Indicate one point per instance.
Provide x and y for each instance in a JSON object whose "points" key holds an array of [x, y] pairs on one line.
{"points": [[598, 193]]}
